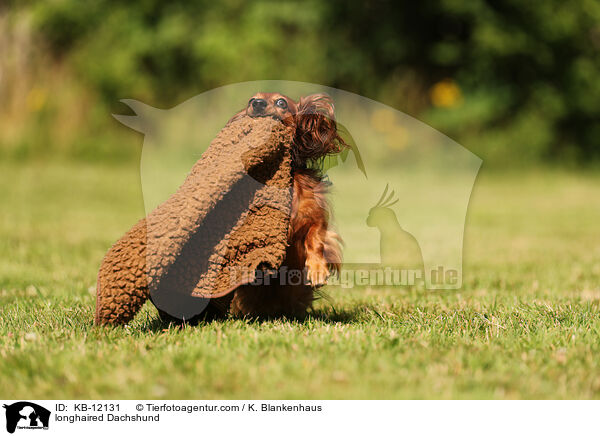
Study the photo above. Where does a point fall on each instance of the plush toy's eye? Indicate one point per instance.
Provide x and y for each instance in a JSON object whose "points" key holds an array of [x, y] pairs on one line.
{"points": [[281, 103]]}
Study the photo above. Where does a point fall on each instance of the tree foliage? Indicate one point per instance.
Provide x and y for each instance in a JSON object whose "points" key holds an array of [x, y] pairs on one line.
{"points": [[509, 79]]}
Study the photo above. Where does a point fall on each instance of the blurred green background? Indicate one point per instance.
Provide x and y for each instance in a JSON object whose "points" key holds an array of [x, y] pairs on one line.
{"points": [[518, 83]]}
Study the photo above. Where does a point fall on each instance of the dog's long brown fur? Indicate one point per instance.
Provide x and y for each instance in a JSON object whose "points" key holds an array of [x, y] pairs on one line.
{"points": [[313, 248]]}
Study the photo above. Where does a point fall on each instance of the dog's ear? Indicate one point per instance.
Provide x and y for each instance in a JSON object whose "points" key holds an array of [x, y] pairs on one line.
{"points": [[316, 129], [317, 104]]}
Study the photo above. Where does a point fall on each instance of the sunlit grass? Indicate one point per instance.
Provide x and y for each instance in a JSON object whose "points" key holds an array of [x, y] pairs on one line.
{"points": [[525, 325]]}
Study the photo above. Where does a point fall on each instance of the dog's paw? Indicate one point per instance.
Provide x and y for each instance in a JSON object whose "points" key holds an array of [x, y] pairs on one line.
{"points": [[317, 272]]}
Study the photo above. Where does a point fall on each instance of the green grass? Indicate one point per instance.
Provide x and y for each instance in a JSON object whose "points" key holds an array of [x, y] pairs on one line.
{"points": [[526, 323]]}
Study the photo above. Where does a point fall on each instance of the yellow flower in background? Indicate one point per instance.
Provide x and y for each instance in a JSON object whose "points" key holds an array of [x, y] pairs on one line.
{"points": [[445, 93], [36, 99], [397, 138], [383, 120]]}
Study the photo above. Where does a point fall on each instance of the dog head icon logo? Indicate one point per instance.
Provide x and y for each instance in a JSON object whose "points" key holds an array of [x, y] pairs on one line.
{"points": [[26, 415]]}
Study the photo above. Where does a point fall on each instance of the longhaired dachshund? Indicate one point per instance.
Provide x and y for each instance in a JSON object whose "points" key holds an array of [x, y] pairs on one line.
{"points": [[313, 249]]}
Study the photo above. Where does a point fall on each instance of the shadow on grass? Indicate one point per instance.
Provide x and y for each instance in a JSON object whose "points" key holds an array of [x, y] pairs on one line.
{"points": [[324, 315]]}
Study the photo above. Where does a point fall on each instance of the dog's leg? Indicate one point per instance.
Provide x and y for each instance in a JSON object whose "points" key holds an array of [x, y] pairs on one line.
{"points": [[318, 247], [317, 270]]}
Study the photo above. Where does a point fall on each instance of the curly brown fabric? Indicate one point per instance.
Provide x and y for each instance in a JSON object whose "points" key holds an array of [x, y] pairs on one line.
{"points": [[230, 216]]}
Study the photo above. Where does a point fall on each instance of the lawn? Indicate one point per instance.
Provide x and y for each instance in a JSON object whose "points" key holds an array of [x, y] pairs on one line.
{"points": [[526, 323]]}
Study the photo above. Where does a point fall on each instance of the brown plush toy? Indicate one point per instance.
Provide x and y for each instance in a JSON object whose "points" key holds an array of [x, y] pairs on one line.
{"points": [[230, 216]]}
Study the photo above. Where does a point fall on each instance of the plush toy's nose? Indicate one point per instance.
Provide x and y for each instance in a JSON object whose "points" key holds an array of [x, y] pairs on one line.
{"points": [[259, 105]]}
